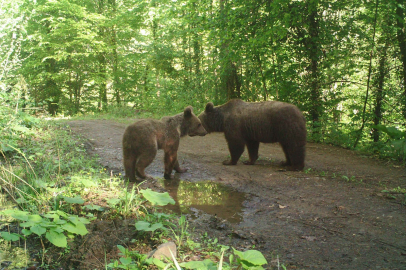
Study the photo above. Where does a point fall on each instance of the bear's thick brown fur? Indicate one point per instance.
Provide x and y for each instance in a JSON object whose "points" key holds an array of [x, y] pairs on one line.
{"points": [[249, 123], [142, 140]]}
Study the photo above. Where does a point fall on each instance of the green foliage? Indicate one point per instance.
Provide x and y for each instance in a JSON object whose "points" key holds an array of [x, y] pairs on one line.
{"points": [[395, 146], [55, 225], [156, 198]]}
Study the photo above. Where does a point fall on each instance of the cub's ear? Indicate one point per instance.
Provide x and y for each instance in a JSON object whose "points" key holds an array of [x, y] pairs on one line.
{"points": [[188, 111], [209, 107]]}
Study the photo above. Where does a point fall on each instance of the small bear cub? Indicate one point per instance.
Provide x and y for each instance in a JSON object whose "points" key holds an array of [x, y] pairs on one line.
{"points": [[142, 139]]}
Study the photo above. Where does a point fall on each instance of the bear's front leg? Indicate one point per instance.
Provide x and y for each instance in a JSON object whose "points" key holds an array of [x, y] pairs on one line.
{"points": [[252, 147], [169, 161], [236, 149]]}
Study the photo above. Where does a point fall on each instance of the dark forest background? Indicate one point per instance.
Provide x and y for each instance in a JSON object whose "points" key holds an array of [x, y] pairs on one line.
{"points": [[343, 63]]}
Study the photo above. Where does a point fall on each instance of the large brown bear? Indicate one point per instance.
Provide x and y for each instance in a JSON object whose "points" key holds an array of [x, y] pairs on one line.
{"points": [[142, 139], [249, 123]]}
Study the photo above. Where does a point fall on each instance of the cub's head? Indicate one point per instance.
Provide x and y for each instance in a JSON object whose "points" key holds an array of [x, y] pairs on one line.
{"points": [[191, 124], [212, 118]]}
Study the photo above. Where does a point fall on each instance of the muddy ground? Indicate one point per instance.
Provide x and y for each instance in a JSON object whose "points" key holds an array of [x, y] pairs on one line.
{"points": [[333, 215]]}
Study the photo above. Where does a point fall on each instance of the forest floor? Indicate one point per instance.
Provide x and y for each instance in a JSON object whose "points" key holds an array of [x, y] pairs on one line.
{"points": [[333, 215]]}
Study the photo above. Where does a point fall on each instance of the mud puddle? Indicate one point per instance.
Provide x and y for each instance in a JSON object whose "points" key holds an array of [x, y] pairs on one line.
{"points": [[210, 197]]}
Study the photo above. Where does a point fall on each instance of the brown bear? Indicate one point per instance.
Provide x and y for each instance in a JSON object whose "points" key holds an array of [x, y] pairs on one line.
{"points": [[142, 140], [249, 123]]}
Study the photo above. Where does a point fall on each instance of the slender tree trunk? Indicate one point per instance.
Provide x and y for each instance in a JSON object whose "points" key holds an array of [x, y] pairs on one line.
{"points": [[230, 82], [113, 33], [369, 79], [101, 57], [52, 91], [401, 36], [263, 79], [379, 92], [314, 52]]}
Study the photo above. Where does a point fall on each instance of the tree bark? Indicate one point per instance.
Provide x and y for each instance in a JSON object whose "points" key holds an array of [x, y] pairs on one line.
{"points": [[401, 36], [379, 96]]}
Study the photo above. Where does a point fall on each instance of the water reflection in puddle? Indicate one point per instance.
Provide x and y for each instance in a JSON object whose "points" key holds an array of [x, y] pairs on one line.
{"points": [[209, 197]]}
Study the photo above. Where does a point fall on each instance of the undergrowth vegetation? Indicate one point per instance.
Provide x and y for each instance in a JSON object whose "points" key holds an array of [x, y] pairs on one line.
{"points": [[54, 191]]}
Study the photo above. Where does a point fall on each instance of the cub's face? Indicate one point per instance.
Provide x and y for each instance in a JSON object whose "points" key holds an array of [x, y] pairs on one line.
{"points": [[195, 127]]}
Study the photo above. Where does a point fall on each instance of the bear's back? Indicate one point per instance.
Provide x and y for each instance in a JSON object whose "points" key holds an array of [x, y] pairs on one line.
{"points": [[266, 121]]}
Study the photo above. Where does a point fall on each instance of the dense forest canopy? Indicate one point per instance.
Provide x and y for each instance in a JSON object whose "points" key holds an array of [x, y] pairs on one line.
{"points": [[342, 62]]}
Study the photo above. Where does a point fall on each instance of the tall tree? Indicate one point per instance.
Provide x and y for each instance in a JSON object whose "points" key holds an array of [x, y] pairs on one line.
{"points": [[401, 36]]}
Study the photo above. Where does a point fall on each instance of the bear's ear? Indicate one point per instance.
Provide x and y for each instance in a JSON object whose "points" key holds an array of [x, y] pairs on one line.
{"points": [[209, 107], [188, 111]]}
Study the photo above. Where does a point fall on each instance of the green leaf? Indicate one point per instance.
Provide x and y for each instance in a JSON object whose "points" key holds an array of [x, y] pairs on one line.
{"points": [[38, 230], [125, 261], [157, 262], [121, 248], [58, 239], [200, 265], [253, 257], [148, 227], [79, 228], [26, 232], [35, 218], [157, 198], [10, 236], [17, 214], [113, 202], [76, 199]]}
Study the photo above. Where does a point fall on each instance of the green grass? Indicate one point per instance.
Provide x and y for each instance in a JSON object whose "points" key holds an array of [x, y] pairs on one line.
{"points": [[51, 189]]}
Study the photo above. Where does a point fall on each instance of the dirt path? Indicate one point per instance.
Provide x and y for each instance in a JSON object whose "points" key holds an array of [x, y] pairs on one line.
{"points": [[331, 216]]}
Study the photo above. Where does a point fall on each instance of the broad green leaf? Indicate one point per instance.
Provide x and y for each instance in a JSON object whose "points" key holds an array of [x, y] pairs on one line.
{"points": [[84, 220], [148, 227], [51, 215], [35, 218], [62, 214], [26, 232], [157, 198], [121, 248], [125, 261], [38, 230], [17, 214], [157, 262], [58, 239], [113, 202], [200, 265], [27, 224], [78, 228], [10, 236], [251, 256], [76, 199]]}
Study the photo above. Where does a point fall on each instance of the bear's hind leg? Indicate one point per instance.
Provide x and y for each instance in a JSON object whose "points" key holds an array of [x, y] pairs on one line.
{"points": [[129, 166], [144, 161], [295, 156], [252, 147], [178, 169]]}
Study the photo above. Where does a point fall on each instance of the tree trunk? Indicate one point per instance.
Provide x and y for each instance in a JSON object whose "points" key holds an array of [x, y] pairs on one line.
{"points": [[401, 36], [113, 33], [314, 51], [101, 57], [379, 92], [369, 79], [230, 83]]}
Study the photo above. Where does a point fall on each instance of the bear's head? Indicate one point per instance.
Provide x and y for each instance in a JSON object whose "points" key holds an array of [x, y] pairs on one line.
{"points": [[212, 118], [191, 124]]}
